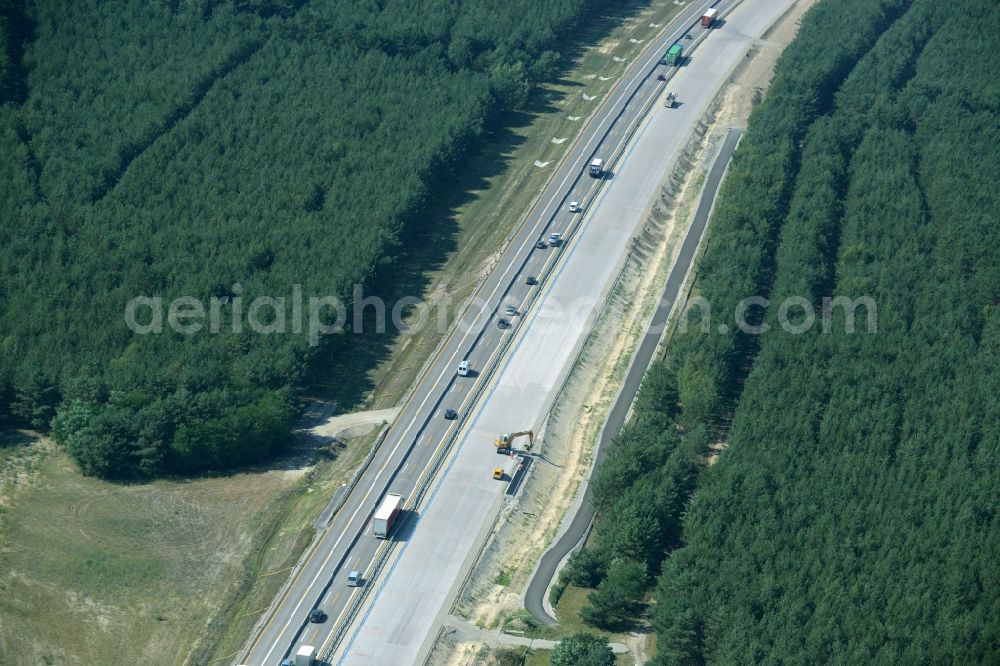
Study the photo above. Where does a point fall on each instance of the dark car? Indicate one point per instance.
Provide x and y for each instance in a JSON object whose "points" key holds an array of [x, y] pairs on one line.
{"points": [[450, 414], [663, 61], [541, 244], [531, 280], [661, 77], [317, 616], [503, 323]]}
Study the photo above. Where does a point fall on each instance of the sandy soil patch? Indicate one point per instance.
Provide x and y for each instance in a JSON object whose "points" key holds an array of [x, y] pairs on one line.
{"points": [[354, 424]]}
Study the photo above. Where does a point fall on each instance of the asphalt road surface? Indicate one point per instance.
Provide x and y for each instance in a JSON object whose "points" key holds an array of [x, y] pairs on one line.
{"points": [[430, 550], [539, 584], [411, 597]]}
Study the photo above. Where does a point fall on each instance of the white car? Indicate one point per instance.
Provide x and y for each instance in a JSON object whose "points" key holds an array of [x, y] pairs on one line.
{"points": [[555, 239], [574, 206]]}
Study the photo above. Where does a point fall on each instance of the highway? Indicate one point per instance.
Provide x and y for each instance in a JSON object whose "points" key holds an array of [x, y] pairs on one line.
{"points": [[526, 380], [426, 570]]}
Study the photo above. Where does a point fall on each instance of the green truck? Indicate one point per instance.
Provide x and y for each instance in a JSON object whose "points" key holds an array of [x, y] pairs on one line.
{"points": [[674, 55]]}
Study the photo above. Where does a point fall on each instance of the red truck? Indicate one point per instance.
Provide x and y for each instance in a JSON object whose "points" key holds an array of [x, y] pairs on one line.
{"points": [[708, 18]]}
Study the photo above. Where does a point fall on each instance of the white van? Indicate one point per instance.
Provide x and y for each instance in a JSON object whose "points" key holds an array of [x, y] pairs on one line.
{"points": [[463, 369]]}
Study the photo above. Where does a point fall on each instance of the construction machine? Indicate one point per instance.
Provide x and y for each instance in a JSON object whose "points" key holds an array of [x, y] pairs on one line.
{"points": [[504, 442], [498, 473]]}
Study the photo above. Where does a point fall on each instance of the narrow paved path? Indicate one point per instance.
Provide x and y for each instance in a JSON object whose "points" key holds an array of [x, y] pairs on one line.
{"points": [[535, 594], [335, 426]]}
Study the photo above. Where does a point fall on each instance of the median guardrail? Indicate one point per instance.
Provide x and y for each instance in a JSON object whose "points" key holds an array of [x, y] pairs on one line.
{"points": [[490, 368]]}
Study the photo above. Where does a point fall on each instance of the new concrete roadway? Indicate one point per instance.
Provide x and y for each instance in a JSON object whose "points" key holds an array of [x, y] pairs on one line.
{"points": [[409, 601], [430, 550]]}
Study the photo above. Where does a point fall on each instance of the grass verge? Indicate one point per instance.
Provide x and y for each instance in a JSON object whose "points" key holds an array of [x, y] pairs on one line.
{"points": [[536, 657]]}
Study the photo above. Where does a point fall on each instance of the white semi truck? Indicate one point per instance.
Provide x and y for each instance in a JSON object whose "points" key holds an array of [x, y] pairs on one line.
{"points": [[386, 515], [306, 656]]}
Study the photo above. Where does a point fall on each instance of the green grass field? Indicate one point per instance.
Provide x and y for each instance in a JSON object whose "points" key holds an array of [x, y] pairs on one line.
{"points": [[93, 572], [568, 609], [535, 657], [100, 573]]}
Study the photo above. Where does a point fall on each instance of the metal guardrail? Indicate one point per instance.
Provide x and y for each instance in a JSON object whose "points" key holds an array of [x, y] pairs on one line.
{"points": [[491, 366], [308, 552], [487, 375], [619, 151], [345, 491]]}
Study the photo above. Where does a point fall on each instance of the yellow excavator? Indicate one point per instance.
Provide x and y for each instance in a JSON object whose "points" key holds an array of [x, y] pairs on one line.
{"points": [[504, 442]]}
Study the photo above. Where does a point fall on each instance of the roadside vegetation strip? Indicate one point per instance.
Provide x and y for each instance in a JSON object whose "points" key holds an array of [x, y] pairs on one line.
{"points": [[886, 176], [271, 573], [226, 658], [344, 491], [794, 203], [625, 398]]}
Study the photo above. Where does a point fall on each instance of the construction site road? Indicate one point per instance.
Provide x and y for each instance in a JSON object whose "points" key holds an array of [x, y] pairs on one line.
{"points": [[430, 562]]}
